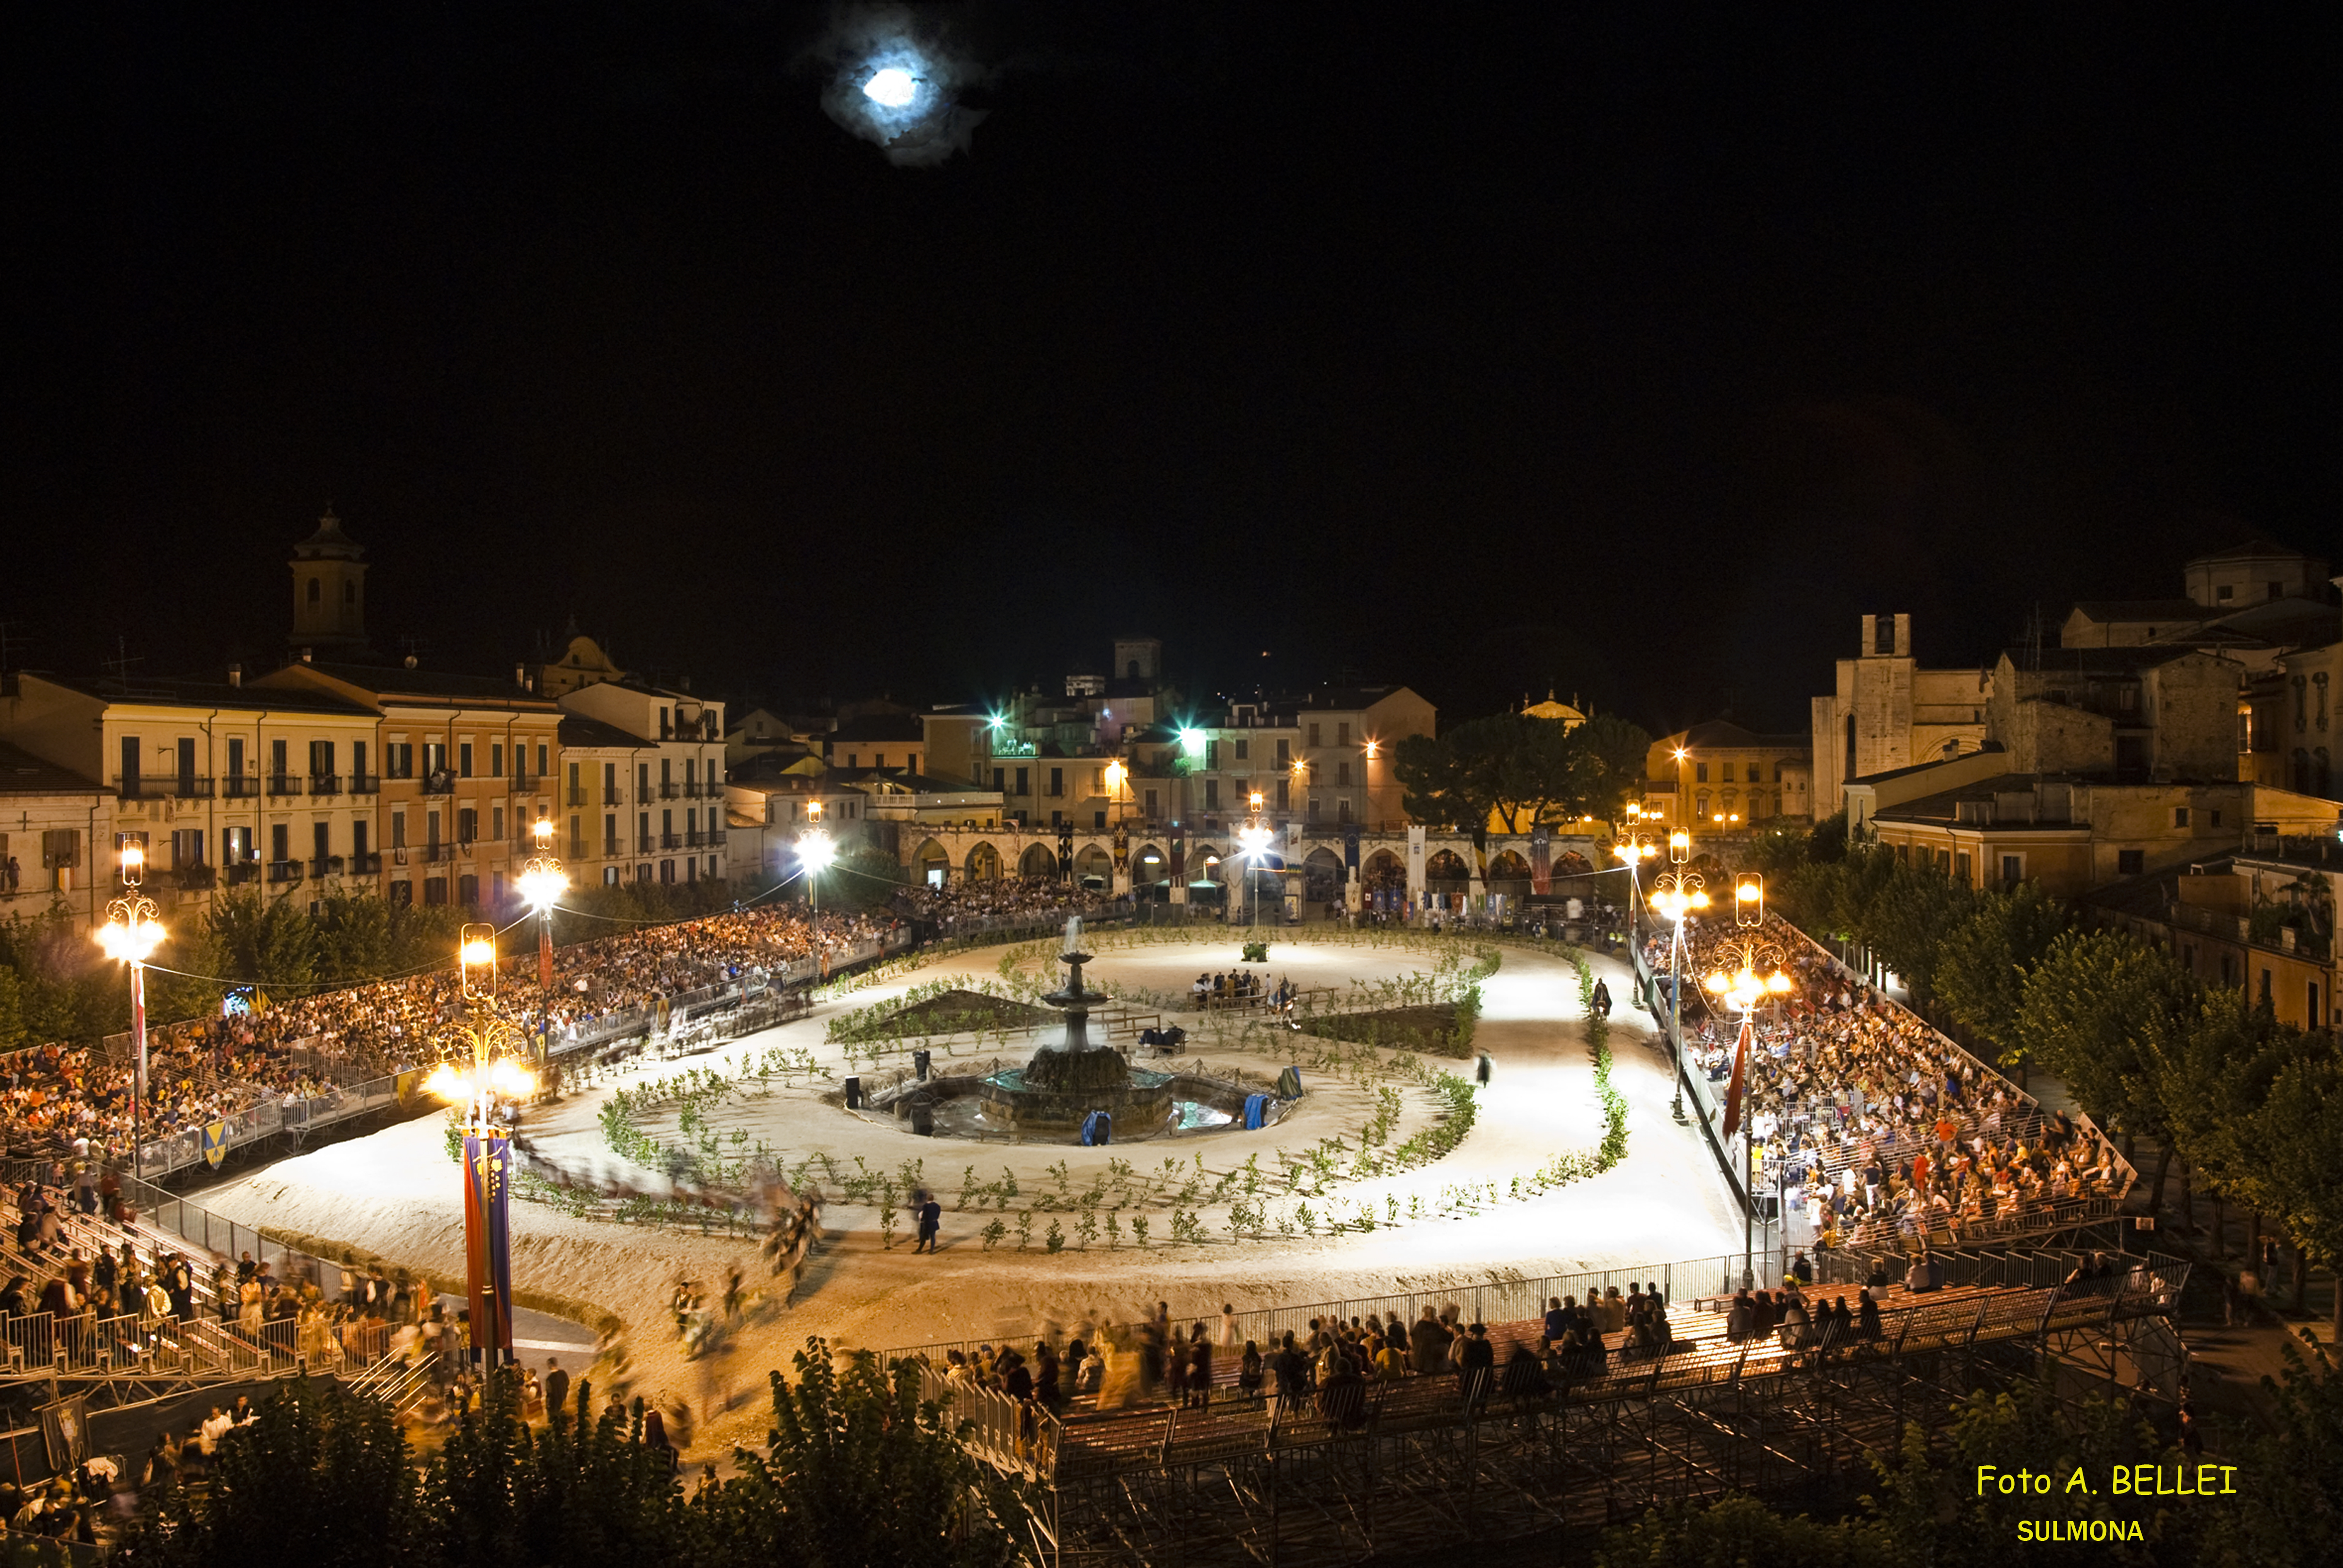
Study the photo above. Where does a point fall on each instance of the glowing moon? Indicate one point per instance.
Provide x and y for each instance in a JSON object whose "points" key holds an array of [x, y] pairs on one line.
{"points": [[891, 88]]}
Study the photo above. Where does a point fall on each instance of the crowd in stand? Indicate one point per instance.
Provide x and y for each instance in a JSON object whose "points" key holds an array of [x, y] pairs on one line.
{"points": [[1874, 1127], [59, 1098], [979, 901]]}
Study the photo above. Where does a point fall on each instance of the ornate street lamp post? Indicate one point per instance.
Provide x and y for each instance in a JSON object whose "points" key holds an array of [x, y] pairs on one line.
{"points": [[542, 882], [483, 1070], [1744, 989], [132, 932], [1675, 894]]}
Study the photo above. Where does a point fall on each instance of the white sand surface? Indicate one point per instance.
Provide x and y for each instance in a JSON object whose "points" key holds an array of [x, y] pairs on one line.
{"points": [[397, 1194]]}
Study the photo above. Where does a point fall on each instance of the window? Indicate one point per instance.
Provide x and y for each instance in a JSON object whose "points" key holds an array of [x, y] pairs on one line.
{"points": [[315, 594], [1756, 777], [467, 890], [497, 760], [1342, 735], [1244, 748], [187, 847], [2213, 816], [1961, 864], [1057, 783], [540, 758], [1024, 781], [399, 829], [398, 760], [234, 758], [435, 760], [1343, 810], [1284, 752], [1212, 755], [1151, 812], [464, 764], [358, 844], [1313, 808], [1212, 794], [1700, 806], [1097, 819], [2221, 594], [280, 841], [1699, 772], [467, 824], [496, 822], [610, 785], [278, 767], [1284, 796], [2180, 816], [2130, 863], [431, 831], [1000, 779], [642, 780], [2266, 989], [2013, 870], [1343, 771], [1313, 734], [358, 763]]}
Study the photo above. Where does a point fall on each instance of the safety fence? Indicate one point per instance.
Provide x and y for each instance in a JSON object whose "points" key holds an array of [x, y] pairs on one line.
{"points": [[1506, 1301]]}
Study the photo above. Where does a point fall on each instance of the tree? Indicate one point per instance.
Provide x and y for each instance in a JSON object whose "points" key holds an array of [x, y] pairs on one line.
{"points": [[1982, 964], [2289, 1150], [1907, 916], [1737, 1531], [262, 941], [1612, 754], [858, 1470], [2087, 1010], [321, 1479], [354, 941]]}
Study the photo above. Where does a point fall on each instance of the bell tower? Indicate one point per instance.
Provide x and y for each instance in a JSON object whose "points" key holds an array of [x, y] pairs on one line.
{"points": [[328, 590]]}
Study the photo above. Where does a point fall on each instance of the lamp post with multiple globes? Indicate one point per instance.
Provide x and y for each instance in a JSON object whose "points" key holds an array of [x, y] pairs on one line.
{"points": [[1255, 838], [1675, 894], [541, 881], [484, 1071], [1745, 989], [132, 932], [816, 850]]}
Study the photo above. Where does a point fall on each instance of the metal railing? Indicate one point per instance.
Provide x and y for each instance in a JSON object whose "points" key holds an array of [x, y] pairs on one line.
{"points": [[284, 784], [366, 783], [324, 783]]}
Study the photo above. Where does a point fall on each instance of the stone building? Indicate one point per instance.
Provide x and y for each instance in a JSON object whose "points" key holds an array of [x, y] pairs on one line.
{"points": [[1885, 712]]}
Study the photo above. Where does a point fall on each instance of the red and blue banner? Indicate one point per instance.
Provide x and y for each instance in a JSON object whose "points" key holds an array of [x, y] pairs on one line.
{"points": [[487, 1245]]}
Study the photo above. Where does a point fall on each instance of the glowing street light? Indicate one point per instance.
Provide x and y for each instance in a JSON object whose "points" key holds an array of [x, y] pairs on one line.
{"points": [[1676, 893], [816, 850], [132, 932], [1191, 741], [1255, 840], [485, 1067], [542, 882]]}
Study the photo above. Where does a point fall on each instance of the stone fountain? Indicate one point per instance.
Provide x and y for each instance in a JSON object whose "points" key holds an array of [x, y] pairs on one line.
{"points": [[1071, 1077]]}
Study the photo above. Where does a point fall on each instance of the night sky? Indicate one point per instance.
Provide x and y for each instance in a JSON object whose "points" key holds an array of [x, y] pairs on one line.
{"points": [[1624, 350]]}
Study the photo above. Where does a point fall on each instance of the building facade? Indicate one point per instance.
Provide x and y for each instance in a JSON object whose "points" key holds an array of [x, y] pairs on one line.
{"points": [[1885, 712]]}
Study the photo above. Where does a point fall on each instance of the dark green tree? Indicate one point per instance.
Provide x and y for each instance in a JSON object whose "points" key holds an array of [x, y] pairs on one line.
{"points": [[858, 1470], [264, 942], [321, 1479], [1982, 964]]}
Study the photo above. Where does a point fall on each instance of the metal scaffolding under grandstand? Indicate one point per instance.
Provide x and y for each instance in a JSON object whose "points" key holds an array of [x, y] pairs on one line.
{"points": [[1425, 1463]]}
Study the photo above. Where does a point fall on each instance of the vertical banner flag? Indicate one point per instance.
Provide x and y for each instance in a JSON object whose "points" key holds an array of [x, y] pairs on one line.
{"points": [[215, 1142], [488, 1243], [1350, 846], [1415, 863], [1541, 860], [1179, 872], [1740, 1073]]}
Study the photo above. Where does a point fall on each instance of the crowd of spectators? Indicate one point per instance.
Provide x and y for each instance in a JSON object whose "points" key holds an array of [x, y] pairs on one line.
{"points": [[297, 1049], [980, 903], [1876, 1127]]}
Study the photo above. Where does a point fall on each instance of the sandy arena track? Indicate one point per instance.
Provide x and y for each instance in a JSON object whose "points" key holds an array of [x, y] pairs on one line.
{"points": [[395, 1194]]}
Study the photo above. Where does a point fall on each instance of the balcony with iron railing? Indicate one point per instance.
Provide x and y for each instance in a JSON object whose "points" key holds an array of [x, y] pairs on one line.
{"points": [[243, 871], [167, 787], [284, 870], [576, 849], [193, 878], [441, 782], [574, 795], [240, 786], [365, 865], [284, 784], [613, 847], [324, 783], [716, 838], [669, 790], [366, 783], [671, 841], [643, 843], [439, 854], [326, 866]]}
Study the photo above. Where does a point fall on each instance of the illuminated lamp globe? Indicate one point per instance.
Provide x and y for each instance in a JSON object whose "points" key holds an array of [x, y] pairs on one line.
{"points": [[541, 885], [815, 851], [478, 953]]}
